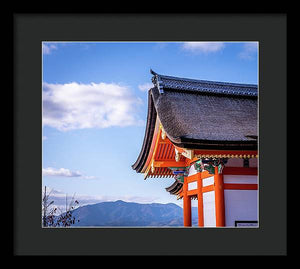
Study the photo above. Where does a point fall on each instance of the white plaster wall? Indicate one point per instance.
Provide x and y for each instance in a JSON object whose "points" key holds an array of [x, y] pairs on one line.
{"points": [[239, 162], [234, 162], [209, 212], [192, 185], [207, 181], [253, 162], [240, 179], [240, 205]]}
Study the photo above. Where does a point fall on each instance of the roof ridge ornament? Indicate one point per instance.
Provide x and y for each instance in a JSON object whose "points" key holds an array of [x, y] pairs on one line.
{"points": [[152, 72], [157, 81]]}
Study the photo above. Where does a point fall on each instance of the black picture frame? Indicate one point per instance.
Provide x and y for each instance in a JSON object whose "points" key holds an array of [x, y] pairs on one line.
{"points": [[29, 30]]}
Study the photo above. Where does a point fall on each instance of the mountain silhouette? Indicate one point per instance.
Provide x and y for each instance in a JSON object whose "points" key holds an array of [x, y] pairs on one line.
{"points": [[120, 213]]}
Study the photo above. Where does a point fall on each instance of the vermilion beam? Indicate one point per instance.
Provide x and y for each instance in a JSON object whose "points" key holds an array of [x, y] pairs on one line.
{"points": [[240, 171], [200, 200], [219, 199], [187, 208]]}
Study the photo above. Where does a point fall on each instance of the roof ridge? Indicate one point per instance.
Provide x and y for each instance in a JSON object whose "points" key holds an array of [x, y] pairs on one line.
{"points": [[203, 80], [163, 81], [211, 81]]}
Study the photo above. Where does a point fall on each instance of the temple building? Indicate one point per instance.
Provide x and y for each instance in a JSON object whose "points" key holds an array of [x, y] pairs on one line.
{"points": [[204, 134]]}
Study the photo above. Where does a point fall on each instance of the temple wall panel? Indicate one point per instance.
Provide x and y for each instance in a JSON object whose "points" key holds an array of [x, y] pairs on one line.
{"points": [[240, 205], [209, 213], [208, 181], [240, 179], [253, 162], [235, 162], [192, 185], [239, 162]]}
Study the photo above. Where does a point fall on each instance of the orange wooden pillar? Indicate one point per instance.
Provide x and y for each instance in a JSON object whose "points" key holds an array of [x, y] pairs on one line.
{"points": [[219, 199], [200, 200], [187, 207]]}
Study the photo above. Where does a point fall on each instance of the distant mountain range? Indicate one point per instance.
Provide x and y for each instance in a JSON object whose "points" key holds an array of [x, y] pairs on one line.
{"points": [[120, 213]]}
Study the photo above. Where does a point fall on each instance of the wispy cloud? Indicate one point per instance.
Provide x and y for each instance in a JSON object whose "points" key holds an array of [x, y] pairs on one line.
{"points": [[96, 105], [203, 47], [145, 87], [249, 51], [47, 48], [64, 172]]}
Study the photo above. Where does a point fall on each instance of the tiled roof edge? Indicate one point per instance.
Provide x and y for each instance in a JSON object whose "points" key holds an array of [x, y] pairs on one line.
{"points": [[157, 80]]}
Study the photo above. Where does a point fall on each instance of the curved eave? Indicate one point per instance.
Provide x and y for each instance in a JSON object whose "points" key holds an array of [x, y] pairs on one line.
{"points": [[175, 188], [170, 188], [150, 127]]}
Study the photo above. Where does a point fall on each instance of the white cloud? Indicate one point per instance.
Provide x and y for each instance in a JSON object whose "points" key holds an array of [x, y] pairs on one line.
{"points": [[96, 105], [145, 87], [250, 49], [48, 48], [63, 172], [203, 47]]}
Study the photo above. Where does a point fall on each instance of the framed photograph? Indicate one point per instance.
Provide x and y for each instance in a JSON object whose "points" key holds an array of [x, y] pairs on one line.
{"points": [[145, 130]]}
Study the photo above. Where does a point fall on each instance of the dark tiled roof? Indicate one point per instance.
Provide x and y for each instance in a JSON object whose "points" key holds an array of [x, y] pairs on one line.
{"points": [[203, 86], [201, 119], [175, 187], [206, 118], [200, 114]]}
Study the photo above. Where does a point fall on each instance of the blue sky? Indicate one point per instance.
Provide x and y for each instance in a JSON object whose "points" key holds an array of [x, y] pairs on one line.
{"points": [[95, 110]]}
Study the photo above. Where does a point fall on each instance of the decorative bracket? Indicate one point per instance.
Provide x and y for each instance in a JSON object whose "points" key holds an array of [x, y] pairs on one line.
{"points": [[209, 165], [199, 166], [188, 153], [180, 173], [177, 155], [152, 166]]}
